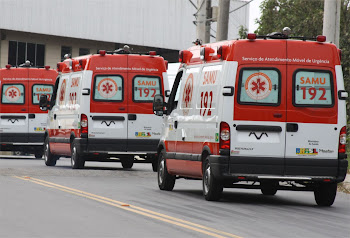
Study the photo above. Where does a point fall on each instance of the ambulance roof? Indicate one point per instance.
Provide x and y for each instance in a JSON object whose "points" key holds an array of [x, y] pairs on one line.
{"points": [[112, 61], [267, 51]]}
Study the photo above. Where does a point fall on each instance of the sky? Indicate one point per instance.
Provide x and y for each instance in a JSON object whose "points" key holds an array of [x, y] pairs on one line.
{"points": [[254, 12]]}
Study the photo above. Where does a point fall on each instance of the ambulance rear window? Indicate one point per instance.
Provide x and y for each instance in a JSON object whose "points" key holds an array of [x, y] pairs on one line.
{"points": [[259, 86], [108, 88], [41, 89], [12, 94], [145, 88], [313, 88]]}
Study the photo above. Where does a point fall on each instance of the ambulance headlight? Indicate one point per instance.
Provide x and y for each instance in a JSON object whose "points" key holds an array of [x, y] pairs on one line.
{"points": [[225, 134]]}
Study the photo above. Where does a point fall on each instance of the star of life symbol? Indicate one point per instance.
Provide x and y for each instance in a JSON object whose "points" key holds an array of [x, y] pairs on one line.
{"points": [[258, 86], [63, 91], [187, 96], [12, 94], [107, 88]]}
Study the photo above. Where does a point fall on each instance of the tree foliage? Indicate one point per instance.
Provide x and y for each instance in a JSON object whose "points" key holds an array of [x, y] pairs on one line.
{"points": [[305, 18]]}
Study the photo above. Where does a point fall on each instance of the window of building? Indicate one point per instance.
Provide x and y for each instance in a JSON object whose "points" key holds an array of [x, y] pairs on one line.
{"points": [[84, 51], [19, 52], [65, 50]]}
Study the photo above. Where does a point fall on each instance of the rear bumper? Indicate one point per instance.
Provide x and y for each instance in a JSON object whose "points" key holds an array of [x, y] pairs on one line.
{"points": [[28, 142], [116, 146], [256, 169]]}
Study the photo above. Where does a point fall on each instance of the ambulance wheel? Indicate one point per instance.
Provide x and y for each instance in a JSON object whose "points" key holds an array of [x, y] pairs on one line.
{"points": [[50, 159], [166, 181], [269, 188], [155, 164], [212, 189], [325, 194], [127, 162], [77, 160]]}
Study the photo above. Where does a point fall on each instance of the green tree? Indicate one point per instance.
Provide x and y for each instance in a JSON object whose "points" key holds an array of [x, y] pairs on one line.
{"points": [[242, 32]]}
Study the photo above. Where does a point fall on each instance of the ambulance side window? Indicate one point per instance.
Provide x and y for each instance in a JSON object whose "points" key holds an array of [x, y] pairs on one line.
{"points": [[54, 94], [313, 88], [175, 93], [12, 94], [41, 89], [108, 88], [259, 86], [145, 88]]}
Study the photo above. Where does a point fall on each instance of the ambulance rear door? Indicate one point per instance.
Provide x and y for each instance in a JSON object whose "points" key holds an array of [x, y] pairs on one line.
{"points": [[14, 106], [145, 80], [41, 82], [108, 105], [258, 135], [312, 133]]}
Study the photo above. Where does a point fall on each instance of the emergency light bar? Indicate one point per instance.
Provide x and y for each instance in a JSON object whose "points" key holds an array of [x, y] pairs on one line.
{"points": [[206, 53], [185, 56]]}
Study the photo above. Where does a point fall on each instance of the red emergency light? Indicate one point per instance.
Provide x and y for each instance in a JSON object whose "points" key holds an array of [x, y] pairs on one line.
{"points": [[102, 52], [223, 52], [47, 67], [153, 53], [321, 38], [185, 56], [251, 36], [8, 66], [82, 63], [206, 53]]}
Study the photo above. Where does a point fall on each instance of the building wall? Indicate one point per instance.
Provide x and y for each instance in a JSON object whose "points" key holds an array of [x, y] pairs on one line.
{"points": [[52, 44]]}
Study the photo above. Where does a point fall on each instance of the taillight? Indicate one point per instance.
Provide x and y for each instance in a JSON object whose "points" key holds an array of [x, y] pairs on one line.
{"points": [[224, 136], [83, 124], [342, 140]]}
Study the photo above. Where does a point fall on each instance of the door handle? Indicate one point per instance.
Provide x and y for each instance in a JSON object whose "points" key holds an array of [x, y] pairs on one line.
{"points": [[31, 116], [132, 117], [277, 115], [54, 116], [175, 124], [292, 127]]}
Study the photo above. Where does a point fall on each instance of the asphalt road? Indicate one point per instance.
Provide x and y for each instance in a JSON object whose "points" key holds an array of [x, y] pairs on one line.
{"points": [[104, 200]]}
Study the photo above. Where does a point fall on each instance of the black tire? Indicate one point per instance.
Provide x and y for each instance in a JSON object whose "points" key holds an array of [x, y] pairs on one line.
{"points": [[77, 160], [325, 194], [212, 188], [127, 162], [269, 188], [166, 181], [38, 154], [50, 159], [155, 164]]}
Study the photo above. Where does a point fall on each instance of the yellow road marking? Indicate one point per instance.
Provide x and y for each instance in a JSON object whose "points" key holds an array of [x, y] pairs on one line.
{"points": [[142, 211]]}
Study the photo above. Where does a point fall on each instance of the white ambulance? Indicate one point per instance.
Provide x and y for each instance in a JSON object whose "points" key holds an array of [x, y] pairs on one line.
{"points": [[101, 109], [256, 113], [22, 123]]}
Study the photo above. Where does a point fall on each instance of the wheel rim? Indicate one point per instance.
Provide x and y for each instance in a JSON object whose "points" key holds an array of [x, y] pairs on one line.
{"points": [[206, 179], [73, 156], [161, 171], [46, 152]]}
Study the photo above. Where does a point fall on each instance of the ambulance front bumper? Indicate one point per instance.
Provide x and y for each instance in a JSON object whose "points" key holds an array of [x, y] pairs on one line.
{"points": [[237, 168]]}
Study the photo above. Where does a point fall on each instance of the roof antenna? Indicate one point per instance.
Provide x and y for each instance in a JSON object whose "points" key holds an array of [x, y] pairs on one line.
{"points": [[197, 42], [286, 31]]}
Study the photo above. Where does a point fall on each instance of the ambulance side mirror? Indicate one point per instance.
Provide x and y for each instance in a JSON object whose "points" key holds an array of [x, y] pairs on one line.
{"points": [[43, 102], [228, 91], [85, 91], [167, 93], [158, 105], [343, 95]]}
